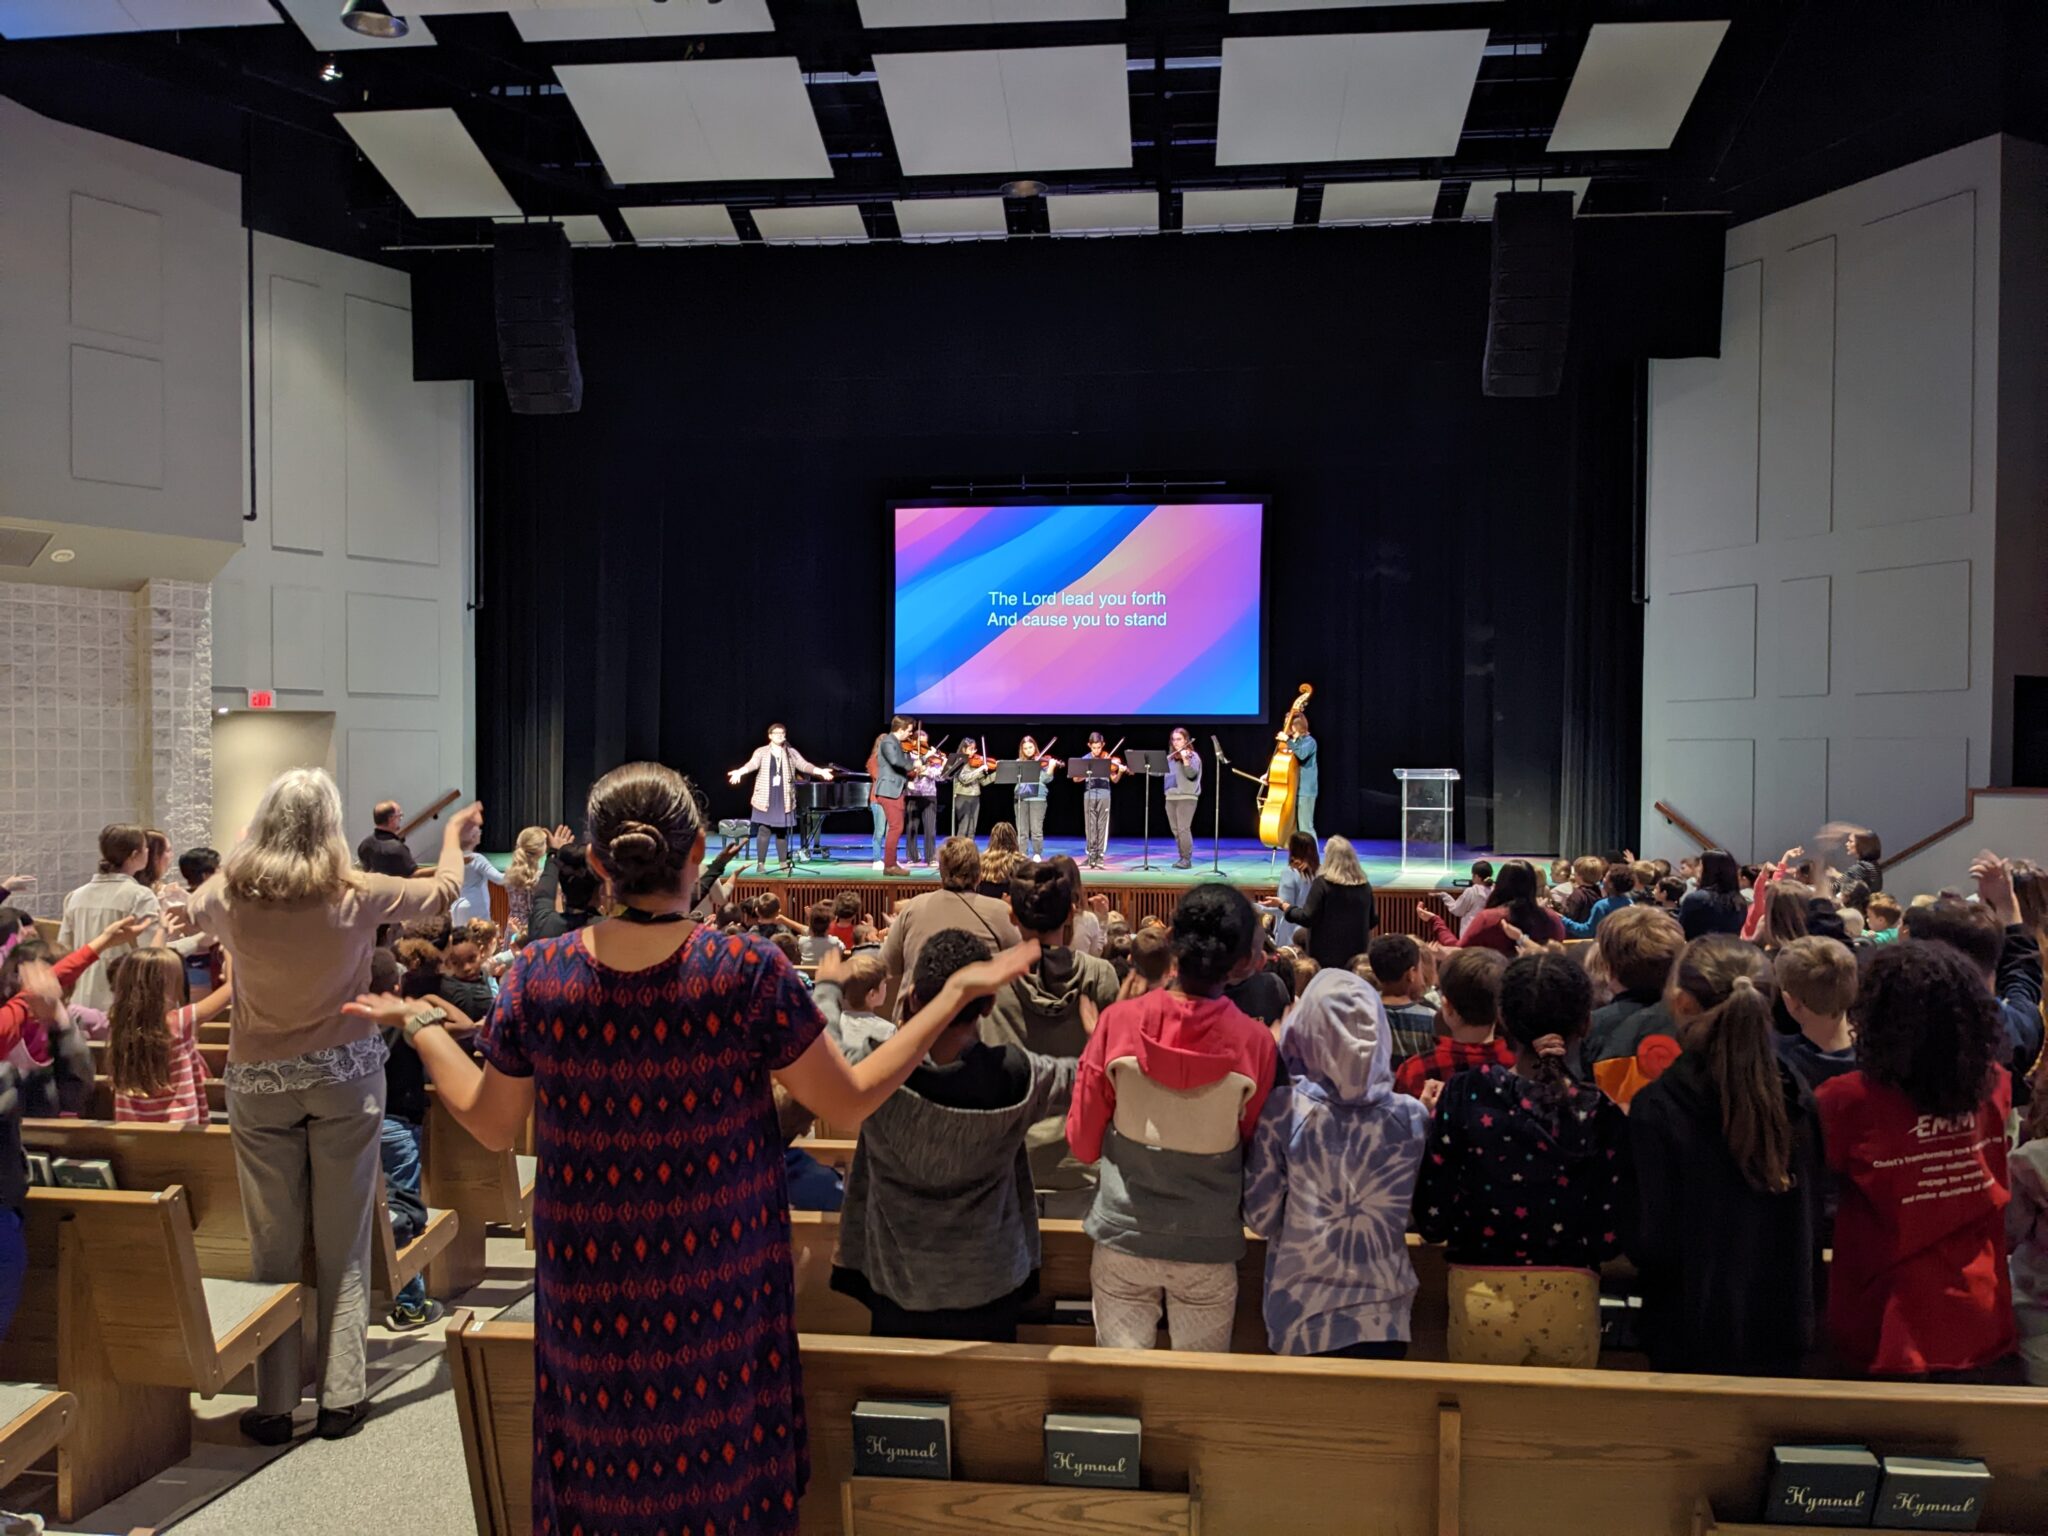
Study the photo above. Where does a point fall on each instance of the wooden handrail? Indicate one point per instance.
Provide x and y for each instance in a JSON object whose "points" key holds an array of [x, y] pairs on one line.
{"points": [[1686, 827], [430, 813]]}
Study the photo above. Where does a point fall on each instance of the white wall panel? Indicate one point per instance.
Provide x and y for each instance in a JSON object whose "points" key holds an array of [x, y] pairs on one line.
{"points": [[394, 432], [1802, 637], [1917, 618], [304, 486], [1708, 640], [1793, 803], [1905, 786], [298, 640], [1703, 431], [1904, 409], [401, 765], [117, 418], [1712, 783], [1796, 450], [391, 645], [117, 268]]}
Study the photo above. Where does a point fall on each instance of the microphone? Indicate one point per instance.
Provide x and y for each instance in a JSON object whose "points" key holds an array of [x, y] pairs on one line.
{"points": [[1216, 749]]}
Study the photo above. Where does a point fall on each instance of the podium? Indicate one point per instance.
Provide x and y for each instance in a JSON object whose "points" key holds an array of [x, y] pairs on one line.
{"points": [[1426, 816]]}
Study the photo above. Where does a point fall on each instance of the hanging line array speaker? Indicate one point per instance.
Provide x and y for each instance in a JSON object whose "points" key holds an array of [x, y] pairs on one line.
{"points": [[1529, 303], [535, 305]]}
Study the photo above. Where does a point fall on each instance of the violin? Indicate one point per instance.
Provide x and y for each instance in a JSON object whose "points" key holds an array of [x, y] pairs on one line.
{"points": [[1045, 759], [1118, 770]]}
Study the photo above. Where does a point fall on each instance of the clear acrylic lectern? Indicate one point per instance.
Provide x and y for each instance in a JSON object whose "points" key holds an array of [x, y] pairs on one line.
{"points": [[1426, 815]]}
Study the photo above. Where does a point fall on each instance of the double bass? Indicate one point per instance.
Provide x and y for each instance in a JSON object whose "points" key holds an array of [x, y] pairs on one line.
{"points": [[1276, 805]]}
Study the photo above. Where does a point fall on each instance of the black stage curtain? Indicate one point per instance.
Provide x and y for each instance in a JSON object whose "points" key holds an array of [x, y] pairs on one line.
{"points": [[703, 549]]}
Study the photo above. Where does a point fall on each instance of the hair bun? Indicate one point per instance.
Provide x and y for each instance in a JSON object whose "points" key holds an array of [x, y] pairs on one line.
{"points": [[637, 843]]}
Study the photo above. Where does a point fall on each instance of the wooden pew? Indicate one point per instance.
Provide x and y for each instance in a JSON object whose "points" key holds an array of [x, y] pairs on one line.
{"points": [[1312, 1447], [101, 1105], [33, 1422], [115, 1310], [202, 1160], [483, 1188]]}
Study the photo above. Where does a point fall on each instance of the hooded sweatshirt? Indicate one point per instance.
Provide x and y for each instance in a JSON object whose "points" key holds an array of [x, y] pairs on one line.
{"points": [[939, 1209], [1727, 1270], [1919, 1280], [1331, 1175], [1170, 1089], [1040, 1012]]}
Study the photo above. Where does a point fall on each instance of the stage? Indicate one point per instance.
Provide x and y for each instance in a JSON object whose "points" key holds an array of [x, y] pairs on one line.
{"points": [[1132, 888]]}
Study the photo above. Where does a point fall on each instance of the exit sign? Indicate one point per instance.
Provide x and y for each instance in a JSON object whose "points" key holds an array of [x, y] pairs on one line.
{"points": [[262, 698]]}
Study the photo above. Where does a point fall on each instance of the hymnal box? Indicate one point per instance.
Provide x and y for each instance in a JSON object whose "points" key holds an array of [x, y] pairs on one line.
{"points": [[1927, 1493], [1822, 1485], [902, 1439], [1091, 1450]]}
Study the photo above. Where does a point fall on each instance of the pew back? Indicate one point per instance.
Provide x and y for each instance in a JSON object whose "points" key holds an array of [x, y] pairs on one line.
{"points": [[1310, 1446]]}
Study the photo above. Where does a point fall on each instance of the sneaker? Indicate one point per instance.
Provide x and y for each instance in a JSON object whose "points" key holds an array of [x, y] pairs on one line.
{"points": [[267, 1428], [876, 865], [340, 1423], [404, 1319], [1183, 863]]}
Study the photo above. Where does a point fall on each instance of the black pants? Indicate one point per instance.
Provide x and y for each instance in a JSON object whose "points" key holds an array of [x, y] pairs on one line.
{"points": [[966, 814], [921, 816], [993, 1322], [1392, 1349], [761, 831]]}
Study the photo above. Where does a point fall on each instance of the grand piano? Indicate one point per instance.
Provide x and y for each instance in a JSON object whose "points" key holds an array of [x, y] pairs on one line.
{"points": [[817, 799]]}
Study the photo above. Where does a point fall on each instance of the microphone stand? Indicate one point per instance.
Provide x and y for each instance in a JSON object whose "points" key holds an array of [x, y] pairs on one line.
{"points": [[1216, 837]]}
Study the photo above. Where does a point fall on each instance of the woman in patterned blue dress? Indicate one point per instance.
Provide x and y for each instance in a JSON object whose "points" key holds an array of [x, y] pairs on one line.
{"points": [[667, 1396]]}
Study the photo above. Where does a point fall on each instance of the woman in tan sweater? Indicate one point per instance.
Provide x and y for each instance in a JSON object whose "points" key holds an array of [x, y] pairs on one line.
{"points": [[305, 1082]]}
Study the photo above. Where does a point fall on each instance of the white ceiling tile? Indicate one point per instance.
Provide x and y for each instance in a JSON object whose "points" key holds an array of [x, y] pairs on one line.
{"points": [[839, 223], [431, 162], [1244, 7], [581, 228], [1479, 201], [929, 218], [701, 222], [568, 20], [699, 119], [968, 13], [460, 7], [1369, 96], [1372, 202], [1634, 84], [1011, 109], [163, 15], [1237, 207], [62, 18], [1094, 213], [320, 20]]}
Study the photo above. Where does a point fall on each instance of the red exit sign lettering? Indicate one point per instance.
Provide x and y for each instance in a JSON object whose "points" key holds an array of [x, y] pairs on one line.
{"points": [[262, 698]]}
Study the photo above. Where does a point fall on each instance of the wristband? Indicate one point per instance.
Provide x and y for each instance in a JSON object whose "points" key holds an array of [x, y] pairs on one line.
{"points": [[422, 1020]]}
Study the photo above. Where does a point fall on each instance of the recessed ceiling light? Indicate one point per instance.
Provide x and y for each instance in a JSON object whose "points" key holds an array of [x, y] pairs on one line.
{"points": [[63, 556], [222, 710], [1024, 188]]}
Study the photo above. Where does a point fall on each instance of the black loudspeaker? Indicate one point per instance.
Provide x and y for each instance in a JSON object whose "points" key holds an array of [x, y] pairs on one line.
{"points": [[535, 305], [1529, 303]]}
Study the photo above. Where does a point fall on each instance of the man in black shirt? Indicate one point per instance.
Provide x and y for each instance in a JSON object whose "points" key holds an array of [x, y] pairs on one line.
{"points": [[384, 852]]}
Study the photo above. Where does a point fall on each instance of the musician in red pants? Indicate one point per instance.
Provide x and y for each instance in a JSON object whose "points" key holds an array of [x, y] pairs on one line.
{"points": [[893, 772]]}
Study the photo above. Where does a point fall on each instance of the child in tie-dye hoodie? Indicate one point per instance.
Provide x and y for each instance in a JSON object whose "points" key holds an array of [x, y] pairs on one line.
{"points": [[1330, 1179]]}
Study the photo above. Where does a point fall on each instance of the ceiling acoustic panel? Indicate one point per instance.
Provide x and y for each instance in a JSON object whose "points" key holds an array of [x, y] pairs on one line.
{"points": [[320, 20], [1247, 7], [951, 218], [838, 224], [1634, 84], [1376, 202], [430, 161], [1238, 208], [983, 13], [559, 21], [695, 224], [581, 228], [1008, 110], [1479, 200], [1363, 96], [81, 18], [699, 120], [1104, 213]]}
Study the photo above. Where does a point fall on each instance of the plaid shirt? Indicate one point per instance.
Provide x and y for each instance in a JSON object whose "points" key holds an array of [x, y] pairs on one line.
{"points": [[1412, 1029], [1447, 1057]]}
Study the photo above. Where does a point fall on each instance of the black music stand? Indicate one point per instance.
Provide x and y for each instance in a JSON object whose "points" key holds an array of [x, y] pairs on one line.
{"points": [[1151, 763]]}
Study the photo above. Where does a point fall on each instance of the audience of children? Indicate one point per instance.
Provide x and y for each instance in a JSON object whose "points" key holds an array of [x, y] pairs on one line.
{"points": [[1468, 992], [1396, 964], [1816, 984]]}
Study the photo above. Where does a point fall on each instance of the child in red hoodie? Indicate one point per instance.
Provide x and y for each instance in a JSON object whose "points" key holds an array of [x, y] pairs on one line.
{"points": [[1916, 1136], [1168, 1094]]}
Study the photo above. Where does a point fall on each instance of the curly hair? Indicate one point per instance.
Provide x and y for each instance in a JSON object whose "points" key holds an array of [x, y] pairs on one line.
{"points": [[1926, 1026], [1546, 993]]}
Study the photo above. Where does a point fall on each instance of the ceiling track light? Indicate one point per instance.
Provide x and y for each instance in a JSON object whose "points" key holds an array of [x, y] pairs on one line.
{"points": [[330, 71], [373, 18]]}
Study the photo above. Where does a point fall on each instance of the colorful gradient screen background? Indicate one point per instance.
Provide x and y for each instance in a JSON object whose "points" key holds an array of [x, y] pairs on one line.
{"points": [[1079, 609]]}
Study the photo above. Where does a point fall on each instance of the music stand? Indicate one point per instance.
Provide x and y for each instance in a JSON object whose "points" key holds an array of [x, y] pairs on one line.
{"points": [[1151, 762]]}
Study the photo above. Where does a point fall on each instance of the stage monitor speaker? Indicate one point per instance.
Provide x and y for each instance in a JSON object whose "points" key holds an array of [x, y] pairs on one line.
{"points": [[535, 304], [1529, 304]]}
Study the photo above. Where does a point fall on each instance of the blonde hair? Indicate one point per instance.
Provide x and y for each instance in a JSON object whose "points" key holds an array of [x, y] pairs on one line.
{"points": [[1340, 863], [859, 981], [528, 854], [294, 849]]}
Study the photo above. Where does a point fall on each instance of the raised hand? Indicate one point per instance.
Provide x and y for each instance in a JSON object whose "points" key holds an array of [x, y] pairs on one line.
{"points": [[386, 1009], [834, 966], [123, 930], [561, 837], [1994, 887], [471, 815], [1431, 1092], [733, 777], [39, 989]]}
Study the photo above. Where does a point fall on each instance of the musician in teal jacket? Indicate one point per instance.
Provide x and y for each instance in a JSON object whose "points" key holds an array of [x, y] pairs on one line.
{"points": [[1307, 776]]}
